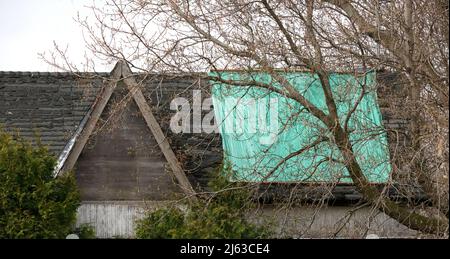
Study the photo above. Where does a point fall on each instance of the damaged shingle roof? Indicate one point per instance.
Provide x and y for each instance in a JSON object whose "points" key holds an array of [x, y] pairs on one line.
{"points": [[52, 105], [47, 105]]}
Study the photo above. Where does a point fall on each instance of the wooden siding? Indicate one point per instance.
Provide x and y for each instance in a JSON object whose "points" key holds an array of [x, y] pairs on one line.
{"points": [[117, 220], [112, 219], [122, 160]]}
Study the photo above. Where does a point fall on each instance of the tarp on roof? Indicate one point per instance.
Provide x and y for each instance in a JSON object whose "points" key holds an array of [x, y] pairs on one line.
{"points": [[260, 128]]}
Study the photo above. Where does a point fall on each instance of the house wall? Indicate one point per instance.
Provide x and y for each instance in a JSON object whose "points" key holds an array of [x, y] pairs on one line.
{"points": [[330, 222], [113, 219]]}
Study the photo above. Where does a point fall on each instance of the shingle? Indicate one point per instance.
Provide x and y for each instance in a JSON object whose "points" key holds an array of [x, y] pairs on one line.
{"points": [[49, 103], [52, 105]]}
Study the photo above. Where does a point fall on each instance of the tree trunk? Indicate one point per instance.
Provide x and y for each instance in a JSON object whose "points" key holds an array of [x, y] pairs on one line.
{"points": [[410, 219]]}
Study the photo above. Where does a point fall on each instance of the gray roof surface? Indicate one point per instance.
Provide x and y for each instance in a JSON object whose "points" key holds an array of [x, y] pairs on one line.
{"points": [[45, 105], [52, 105]]}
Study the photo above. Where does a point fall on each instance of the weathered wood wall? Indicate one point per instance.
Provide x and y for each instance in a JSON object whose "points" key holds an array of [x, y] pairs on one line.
{"points": [[331, 222], [110, 219], [122, 160], [113, 219]]}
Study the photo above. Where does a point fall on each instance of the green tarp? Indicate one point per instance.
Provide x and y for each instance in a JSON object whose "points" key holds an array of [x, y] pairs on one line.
{"points": [[260, 128]]}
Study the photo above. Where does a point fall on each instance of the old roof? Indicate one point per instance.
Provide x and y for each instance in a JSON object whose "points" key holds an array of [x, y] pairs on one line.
{"points": [[52, 106], [48, 105]]}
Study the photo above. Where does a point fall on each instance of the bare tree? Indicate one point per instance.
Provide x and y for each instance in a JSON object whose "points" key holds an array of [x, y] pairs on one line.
{"points": [[409, 38]]}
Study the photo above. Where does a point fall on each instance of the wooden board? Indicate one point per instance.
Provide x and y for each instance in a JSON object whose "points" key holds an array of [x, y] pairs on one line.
{"points": [[123, 161]]}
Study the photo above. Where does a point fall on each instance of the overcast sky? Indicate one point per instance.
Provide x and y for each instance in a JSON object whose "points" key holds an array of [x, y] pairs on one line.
{"points": [[29, 27]]}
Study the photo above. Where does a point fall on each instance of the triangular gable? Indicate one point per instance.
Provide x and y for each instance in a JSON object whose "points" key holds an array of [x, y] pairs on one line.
{"points": [[122, 72]]}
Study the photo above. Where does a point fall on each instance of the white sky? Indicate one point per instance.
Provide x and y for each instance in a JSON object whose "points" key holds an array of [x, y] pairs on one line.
{"points": [[29, 27]]}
